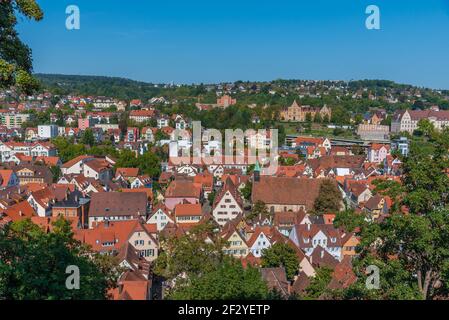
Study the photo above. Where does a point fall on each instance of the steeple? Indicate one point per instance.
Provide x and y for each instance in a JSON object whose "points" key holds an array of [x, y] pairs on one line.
{"points": [[295, 104], [257, 172]]}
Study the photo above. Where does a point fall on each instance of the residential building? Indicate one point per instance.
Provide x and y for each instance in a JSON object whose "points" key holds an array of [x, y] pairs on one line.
{"points": [[378, 152], [373, 132], [47, 131], [13, 120], [298, 113], [140, 116], [407, 120], [228, 204], [286, 194], [116, 206]]}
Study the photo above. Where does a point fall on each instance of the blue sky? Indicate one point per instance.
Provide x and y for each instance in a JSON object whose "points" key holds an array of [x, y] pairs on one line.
{"points": [[214, 41]]}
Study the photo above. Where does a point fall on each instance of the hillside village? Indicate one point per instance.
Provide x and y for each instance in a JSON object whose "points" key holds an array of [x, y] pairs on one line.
{"points": [[105, 165]]}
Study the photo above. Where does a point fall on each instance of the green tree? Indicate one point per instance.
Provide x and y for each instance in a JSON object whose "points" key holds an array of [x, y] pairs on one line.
{"points": [[318, 285], [150, 164], [281, 255], [211, 197], [349, 220], [67, 149], [412, 246], [259, 209], [127, 159], [229, 281], [56, 172], [15, 56], [160, 135], [88, 137], [33, 264], [247, 190], [329, 199], [190, 254]]}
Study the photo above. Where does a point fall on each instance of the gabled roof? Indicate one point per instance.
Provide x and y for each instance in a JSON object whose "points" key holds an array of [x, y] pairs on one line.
{"points": [[301, 283], [183, 188], [188, 209], [74, 161], [288, 218], [20, 211], [230, 188], [127, 172], [148, 192], [286, 191], [343, 275], [5, 176], [276, 279], [306, 232], [118, 204], [265, 230], [373, 202], [321, 258], [98, 165], [116, 233]]}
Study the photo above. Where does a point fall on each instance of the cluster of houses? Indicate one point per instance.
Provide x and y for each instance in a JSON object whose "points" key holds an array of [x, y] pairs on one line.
{"points": [[117, 210]]}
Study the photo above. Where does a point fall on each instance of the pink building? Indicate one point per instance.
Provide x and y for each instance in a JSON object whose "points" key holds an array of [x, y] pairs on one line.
{"points": [[83, 124]]}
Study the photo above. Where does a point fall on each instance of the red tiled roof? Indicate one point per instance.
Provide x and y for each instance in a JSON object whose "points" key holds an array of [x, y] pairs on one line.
{"points": [[188, 209], [5, 176], [74, 161], [127, 172], [20, 211]]}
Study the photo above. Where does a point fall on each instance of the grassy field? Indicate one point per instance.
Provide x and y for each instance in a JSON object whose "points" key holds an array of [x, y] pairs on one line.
{"points": [[317, 130]]}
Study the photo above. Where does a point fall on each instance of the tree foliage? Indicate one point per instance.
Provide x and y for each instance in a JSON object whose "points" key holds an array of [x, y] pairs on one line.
{"points": [[318, 284], [281, 255], [228, 281], [329, 199], [190, 254], [33, 264], [15, 56], [148, 163], [411, 246]]}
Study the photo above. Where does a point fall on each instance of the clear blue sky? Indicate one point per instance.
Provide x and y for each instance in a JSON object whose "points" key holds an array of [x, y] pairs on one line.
{"points": [[214, 41]]}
